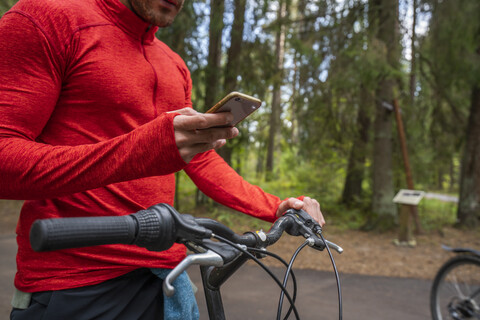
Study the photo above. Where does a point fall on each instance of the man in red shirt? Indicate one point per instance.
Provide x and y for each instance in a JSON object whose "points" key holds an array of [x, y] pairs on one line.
{"points": [[95, 118]]}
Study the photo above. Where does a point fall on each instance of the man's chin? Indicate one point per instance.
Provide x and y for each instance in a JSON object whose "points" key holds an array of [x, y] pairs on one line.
{"points": [[162, 22], [164, 25]]}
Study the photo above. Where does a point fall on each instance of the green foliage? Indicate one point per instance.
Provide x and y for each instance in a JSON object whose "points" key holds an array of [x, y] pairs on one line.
{"points": [[344, 217], [459, 35], [5, 5], [236, 221], [435, 214], [450, 67]]}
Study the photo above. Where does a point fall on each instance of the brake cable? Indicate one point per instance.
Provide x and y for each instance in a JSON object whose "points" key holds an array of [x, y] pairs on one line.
{"points": [[285, 280], [251, 256], [275, 256], [337, 278], [289, 271]]}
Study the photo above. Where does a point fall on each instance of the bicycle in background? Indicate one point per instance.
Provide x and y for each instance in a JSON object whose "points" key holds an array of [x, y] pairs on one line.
{"points": [[159, 227], [455, 292]]}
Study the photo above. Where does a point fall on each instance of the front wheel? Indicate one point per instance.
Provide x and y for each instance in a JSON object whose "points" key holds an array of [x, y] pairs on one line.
{"points": [[455, 292]]}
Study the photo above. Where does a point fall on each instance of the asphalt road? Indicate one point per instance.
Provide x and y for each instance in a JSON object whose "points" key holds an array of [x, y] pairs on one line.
{"points": [[251, 294]]}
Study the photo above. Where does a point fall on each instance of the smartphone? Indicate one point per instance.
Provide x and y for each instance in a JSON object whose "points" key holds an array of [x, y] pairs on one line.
{"points": [[239, 104]]}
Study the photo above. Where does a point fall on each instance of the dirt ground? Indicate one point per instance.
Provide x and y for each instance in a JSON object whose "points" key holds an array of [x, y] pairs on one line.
{"points": [[9, 211], [375, 254], [364, 253]]}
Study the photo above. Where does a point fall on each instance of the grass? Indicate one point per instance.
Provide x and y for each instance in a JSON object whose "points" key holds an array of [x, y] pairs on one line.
{"points": [[435, 214], [235, 220]]}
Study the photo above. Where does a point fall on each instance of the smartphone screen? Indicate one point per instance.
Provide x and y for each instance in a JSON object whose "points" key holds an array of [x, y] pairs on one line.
{"points": [[239, 104]]}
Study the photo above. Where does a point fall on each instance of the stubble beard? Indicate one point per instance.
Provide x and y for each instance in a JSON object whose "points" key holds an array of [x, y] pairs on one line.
{"points": [[161, 17]]}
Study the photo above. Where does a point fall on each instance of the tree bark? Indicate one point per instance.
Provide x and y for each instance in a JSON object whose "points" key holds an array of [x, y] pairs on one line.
{"points": [[352, 190], [301, 75], [469, 201], [234, 52], [233, 63], [213, 70], [276, 94], [385, 21], [383, 191], [413, 62]]}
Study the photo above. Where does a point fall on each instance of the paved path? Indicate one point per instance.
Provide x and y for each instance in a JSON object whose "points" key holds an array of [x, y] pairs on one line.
{"points": [[250, 294], [364, 297], [8, 250], [441, 197]]}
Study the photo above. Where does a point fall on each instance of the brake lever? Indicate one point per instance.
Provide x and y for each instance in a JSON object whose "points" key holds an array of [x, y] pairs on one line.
{"points": [[304, 225], [187, 227], [208, 258], [304, 222], [309, 228], [334, 246]]}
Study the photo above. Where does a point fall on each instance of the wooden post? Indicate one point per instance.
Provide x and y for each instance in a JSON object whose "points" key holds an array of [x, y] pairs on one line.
{"points": [[406, 162], [404, 232]]}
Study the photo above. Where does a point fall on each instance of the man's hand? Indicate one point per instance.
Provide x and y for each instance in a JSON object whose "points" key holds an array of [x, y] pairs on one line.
{"points": [[194, 133], [311, 206]]}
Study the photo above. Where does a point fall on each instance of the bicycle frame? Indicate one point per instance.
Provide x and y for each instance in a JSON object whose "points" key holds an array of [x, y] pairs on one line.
{"points": [[212, 280], [461, 250]]}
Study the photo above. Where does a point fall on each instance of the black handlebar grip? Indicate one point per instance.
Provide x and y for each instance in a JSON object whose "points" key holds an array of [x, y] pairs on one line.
{"points": [[157, 230], [55, 234]]}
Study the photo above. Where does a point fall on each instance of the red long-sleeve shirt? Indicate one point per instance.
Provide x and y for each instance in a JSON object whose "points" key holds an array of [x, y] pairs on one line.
{"points": [[84, 91]]}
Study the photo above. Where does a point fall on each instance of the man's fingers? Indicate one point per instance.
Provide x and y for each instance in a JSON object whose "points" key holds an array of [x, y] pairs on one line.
{"points": [[185, 111], [207, 136], [189, 152], [294, 203], [287, 204], [197, 132], [201, 120], [311, 206]]}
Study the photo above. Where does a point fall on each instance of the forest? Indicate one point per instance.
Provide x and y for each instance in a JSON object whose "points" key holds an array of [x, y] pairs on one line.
{"points": [[361, 98]]}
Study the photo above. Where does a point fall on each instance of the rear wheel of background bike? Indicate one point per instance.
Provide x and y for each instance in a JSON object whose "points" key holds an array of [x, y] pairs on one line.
{"points": [[455, 292]]}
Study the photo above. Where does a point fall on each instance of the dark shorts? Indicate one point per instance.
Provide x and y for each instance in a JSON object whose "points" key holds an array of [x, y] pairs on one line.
{"points": [[136, 295]]}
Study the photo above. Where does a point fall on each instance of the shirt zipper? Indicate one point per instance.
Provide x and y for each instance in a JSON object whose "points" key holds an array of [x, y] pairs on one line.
{"points": [[154, 95]]}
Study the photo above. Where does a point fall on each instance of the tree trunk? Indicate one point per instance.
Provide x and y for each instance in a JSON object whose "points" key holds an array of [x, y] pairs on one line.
{"points": [[383, 191], [469, 201], [386, 18], [352, 190], [413, 62], [234, 52], [212, 71], [276, 95], [259, 168], [233, 63], [300, 75]]}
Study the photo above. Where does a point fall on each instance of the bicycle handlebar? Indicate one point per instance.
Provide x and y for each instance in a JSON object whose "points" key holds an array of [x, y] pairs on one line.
{"points": [[155, 228], [158, 228], [55, 234]]}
